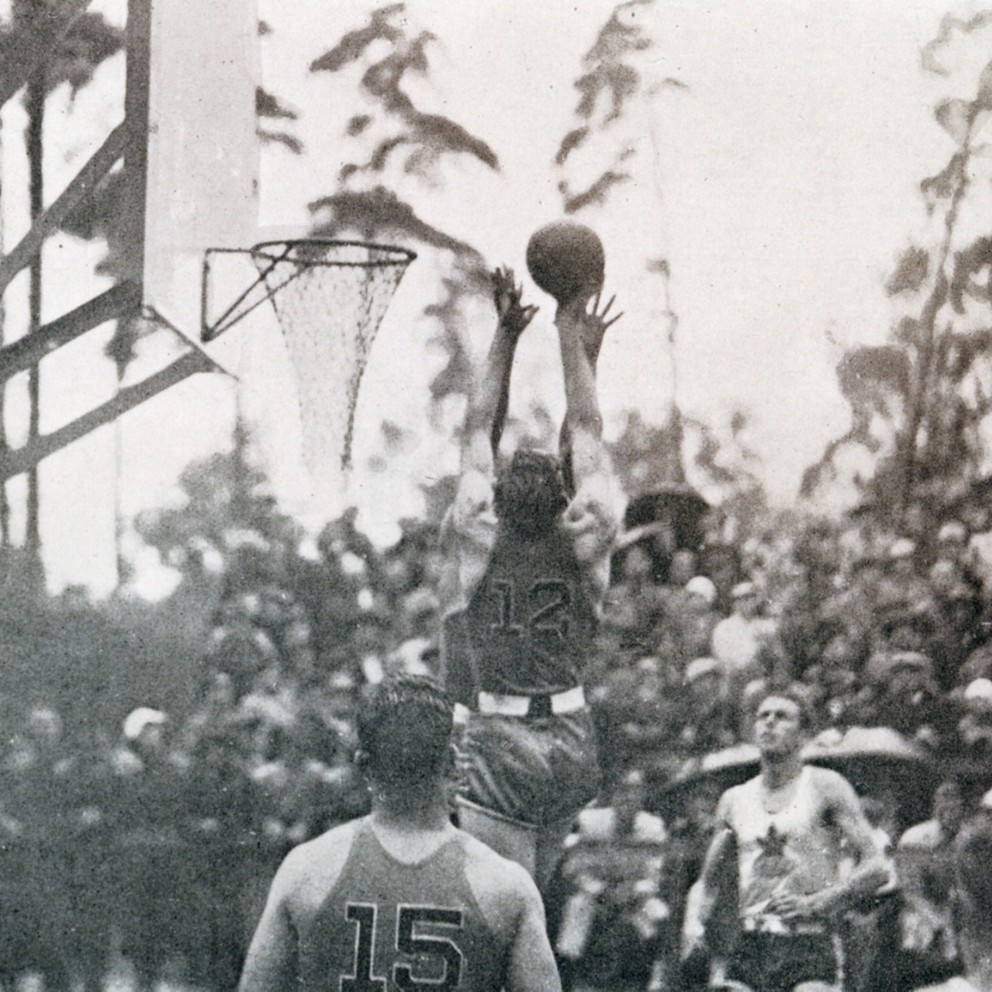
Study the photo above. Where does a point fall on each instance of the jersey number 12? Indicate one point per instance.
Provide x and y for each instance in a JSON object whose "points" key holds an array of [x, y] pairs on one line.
{"points": [[440, 950], [545, 605]]}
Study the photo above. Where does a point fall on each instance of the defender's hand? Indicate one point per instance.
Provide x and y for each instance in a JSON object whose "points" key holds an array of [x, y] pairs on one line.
{"points": [[590, 322], [794, 907], [513, 316], [595, 320]]}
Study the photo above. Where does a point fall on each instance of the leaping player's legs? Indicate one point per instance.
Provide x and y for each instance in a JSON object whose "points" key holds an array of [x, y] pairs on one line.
{"points": [[550, 847], [538, 849], [523, 781]]}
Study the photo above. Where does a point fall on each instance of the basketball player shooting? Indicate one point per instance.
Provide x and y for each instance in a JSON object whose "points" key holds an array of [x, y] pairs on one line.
{"points": [[527, 565], [401, 899], [784, 830]]}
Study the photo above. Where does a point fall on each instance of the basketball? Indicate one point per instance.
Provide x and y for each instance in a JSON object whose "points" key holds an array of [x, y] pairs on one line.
{"points": [[566, 260]]}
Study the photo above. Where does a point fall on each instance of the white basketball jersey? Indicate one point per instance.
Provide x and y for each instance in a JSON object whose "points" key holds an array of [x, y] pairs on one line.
{"points": [[789, 852]]}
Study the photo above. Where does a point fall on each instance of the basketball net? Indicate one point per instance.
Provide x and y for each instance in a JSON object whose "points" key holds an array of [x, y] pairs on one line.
{"points": [[330, 298]]}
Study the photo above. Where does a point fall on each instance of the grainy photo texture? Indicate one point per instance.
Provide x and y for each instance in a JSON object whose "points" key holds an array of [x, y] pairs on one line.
{"points": [[495, 495]]}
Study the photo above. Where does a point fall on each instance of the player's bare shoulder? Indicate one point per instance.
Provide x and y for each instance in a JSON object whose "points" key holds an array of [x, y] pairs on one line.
{"points": [[329, 846], [834, 794], [310, 870], [734, 799], [500, 874], [504, 889], [831, 785]]}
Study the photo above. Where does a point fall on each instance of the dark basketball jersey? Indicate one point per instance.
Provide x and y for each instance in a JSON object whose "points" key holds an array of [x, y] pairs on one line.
{"points": [[530, 620], [390, 926]]}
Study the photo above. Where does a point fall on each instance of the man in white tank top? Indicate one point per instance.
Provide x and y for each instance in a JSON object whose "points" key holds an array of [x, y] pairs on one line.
{"points": [[784, 829]]}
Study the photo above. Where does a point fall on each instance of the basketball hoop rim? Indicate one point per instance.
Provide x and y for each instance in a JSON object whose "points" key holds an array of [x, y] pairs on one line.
{"points": [[268, 255], [280, 250]]}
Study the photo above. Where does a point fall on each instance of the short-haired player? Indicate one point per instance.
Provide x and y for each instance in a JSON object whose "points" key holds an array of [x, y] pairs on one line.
{"points": [[786, 831], [401, 899], [527, 564]]}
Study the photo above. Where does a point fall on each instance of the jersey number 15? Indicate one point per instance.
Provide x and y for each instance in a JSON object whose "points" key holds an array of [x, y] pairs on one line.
{"points": [[439, 950]]}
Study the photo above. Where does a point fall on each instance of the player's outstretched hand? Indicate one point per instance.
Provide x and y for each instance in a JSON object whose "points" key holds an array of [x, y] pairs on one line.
{"points": [[513, 315], [592, 322], [601, 319]]}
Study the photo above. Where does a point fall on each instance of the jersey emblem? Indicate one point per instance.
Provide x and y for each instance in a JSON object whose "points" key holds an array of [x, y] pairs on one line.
{"points": [[422, 960], [772, 859]]}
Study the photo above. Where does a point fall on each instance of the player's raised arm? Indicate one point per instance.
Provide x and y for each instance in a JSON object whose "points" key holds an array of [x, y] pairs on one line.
{"points": [[488, 402], [471, 515], [582, 415], [512, 319], [594, 513], [271, 963]]}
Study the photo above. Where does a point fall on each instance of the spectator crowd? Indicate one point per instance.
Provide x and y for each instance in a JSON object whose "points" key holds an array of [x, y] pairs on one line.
{"points": [[153, 842], [882, 630]]}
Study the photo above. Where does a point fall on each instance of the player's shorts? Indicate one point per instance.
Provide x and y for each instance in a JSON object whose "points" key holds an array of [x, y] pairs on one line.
{"points": [[534, 770], [774, 963]]}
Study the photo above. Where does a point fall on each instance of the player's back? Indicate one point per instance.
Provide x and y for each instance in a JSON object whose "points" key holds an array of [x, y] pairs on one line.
{"points": [[530, 620], [389, 925]]}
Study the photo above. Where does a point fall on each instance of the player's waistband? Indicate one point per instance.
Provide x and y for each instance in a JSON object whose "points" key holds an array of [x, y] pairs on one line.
{"points": [[532, 707], [776, 927]]}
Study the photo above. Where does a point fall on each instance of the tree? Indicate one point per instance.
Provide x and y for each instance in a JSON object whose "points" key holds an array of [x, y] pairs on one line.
{"points": [[399, 149], [921, 403], [274, 115], [389, 185], [408, 143], [77, 52], [229, 514], [606, 130]]}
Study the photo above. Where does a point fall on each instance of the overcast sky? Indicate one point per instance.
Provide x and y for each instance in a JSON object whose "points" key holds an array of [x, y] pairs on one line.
{"points": [[780, 184]]}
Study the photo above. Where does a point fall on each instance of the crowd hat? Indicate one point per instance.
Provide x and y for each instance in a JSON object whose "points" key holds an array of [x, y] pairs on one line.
{"points": [[953, 530], [699, 585], [883, 664], [901, 549], [137, 720], [699, 667], [979, 689], [743, 589]]}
